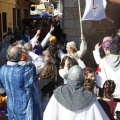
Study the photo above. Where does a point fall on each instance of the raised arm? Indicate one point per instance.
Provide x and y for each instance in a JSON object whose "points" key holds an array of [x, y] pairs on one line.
{"points": [[46, 39], [33, 41], [96, 53], [37, 61], [83, 47]]}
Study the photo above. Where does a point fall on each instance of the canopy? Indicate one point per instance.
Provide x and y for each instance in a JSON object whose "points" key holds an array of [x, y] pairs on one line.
{"points": [[40, 12]]}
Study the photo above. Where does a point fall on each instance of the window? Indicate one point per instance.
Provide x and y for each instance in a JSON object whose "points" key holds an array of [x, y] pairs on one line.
{"points": [[14, 17], [4, 21]]}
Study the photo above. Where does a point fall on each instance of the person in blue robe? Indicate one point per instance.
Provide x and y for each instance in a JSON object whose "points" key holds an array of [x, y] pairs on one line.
{"points": [[19, 81]]}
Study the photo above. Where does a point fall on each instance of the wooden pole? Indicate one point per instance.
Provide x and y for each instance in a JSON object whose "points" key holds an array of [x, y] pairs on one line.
{"points": [[81, 28]]}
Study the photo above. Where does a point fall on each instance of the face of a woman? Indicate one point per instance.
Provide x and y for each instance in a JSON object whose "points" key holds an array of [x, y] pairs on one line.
{"points": [[69, 49], [47, 57]]}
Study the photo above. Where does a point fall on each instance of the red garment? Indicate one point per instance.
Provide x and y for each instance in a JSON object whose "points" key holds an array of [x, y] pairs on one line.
{"points": [[109, 108]]}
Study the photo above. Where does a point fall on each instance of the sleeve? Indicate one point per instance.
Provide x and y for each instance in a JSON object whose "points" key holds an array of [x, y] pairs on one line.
{"points": [[45, 40], [51, 111], [34, 40], [83, 49], [96, 55], [81, 63], [63, 72], [99, 81], [29, 75], [34, 56], [37, 61], [60, 54]]}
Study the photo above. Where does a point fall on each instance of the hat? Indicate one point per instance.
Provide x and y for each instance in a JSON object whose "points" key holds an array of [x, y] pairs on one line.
{"points": [[72, 45], [52, 39], [107, 44], [75, 73]]}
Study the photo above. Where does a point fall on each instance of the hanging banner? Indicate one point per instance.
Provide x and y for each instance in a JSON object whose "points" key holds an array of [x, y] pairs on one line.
{"points": [[95, 10]]}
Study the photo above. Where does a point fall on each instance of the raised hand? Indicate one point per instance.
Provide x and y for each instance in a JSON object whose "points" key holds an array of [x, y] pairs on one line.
{"points": [[97, 46]]}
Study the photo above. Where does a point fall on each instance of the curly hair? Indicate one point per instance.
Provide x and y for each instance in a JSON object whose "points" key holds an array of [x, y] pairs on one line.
{"points": [[89, 84], [108, 88], [48, 71]]}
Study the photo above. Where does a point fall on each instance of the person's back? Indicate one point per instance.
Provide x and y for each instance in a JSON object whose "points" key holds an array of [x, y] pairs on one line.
{"points": [[107, 102], [109, 107], [72, 102], [3, 49], [19, 81], [110, 68]]}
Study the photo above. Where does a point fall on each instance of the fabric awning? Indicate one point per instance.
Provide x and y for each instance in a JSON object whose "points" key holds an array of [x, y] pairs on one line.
{"points": [[35, 1]]}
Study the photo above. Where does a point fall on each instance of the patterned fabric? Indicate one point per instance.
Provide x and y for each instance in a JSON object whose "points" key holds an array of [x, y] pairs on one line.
{"points": [[23, 102], [73, 96]]}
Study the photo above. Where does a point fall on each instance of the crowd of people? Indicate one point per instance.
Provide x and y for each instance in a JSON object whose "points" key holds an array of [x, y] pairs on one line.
{"points": [[47, 80]]}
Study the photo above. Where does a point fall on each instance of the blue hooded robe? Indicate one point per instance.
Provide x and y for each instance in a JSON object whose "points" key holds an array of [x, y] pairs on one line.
{"points": [[23, 97]]}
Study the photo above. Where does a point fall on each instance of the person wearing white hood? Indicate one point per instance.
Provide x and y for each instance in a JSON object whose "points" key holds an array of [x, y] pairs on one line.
{"points": [[109, 69], [73, 52], [73, 102]]}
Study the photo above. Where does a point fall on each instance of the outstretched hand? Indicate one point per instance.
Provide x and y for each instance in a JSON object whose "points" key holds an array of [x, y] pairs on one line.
{"points": [[82, 37], [38, 32], [97, 46], [51, 29]]}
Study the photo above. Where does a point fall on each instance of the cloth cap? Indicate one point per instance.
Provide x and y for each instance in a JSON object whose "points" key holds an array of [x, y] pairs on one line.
{"points": [[75, 73], [52, 39], [107, 44], [72, 45]]}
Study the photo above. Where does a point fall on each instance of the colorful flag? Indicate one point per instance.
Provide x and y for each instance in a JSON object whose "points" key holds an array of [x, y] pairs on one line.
{"points": [[95, 10]]}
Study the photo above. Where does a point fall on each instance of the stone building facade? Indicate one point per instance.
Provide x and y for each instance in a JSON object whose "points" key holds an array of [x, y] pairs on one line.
{"points": [[94, 31]]}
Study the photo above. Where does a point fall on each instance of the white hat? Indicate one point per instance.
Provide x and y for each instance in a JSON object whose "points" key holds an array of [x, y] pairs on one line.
{"points": [[72, 45]]}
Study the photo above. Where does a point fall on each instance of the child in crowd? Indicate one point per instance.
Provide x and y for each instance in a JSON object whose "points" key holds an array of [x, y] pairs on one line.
{"points": [[89, 85], [89, 80], [107, 103], [65, 65]]}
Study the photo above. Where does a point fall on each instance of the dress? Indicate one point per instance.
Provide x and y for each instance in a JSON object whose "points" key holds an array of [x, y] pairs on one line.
{"points": [[19, 81], [109, 108]]}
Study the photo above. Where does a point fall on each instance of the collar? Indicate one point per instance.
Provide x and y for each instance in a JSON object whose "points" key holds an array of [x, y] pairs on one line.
{"points": [[11, 63]]}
